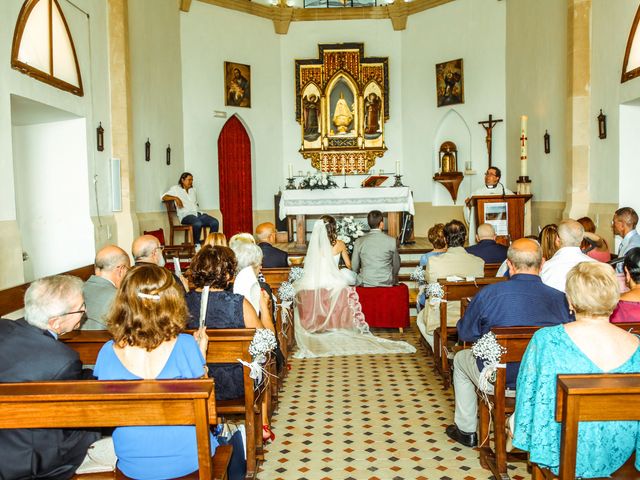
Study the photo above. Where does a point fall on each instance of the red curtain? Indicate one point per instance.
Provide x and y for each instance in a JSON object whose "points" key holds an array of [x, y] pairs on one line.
{"points": [[234, 167]]}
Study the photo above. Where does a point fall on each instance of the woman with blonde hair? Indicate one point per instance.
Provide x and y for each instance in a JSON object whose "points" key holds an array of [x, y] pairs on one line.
{"points": [[589, 345], [549, 240], [146, 319], [215, 238]]}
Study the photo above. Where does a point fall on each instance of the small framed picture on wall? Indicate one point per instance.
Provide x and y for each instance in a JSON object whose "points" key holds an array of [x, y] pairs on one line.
{"points": [[450, 82], [237, 85]]}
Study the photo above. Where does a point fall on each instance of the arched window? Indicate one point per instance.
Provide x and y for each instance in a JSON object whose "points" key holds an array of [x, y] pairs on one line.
{"points": [[43, 47], [631, 64]]}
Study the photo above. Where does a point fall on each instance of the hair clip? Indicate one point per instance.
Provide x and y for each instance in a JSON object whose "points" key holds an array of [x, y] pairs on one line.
{"points": [[148, 296]]}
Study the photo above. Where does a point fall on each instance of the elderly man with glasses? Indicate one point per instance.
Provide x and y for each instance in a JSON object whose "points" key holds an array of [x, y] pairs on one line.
{"points": [[147, 249], [30, 352]]}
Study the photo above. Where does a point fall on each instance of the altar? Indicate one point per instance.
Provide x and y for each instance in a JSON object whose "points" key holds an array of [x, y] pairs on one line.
{"points": [[297, 204]]}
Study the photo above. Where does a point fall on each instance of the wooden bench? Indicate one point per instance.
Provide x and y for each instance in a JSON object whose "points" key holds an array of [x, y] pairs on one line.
{"points": [[12, 299], [453, 291], [225, 346], [286, 337], [490, 269], [90, 404], [515, 340], [584, 398]]}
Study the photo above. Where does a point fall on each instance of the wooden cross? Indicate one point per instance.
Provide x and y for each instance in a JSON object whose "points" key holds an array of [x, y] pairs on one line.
{"points": [[488, 126]]}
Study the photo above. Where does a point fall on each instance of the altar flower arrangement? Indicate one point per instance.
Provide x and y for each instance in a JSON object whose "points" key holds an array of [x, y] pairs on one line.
{"points": [[318, 180], [349, 230]]}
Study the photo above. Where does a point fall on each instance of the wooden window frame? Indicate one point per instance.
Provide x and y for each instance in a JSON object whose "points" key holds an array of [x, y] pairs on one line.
{"points": [[636, 71], [46, 77]]}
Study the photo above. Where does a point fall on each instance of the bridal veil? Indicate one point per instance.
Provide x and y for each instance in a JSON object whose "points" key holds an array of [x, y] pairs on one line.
{"points": [[328, 316]]}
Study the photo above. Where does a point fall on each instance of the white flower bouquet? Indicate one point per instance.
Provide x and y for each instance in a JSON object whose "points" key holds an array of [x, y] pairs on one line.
{"points": [[349, 230], [317, 181]]}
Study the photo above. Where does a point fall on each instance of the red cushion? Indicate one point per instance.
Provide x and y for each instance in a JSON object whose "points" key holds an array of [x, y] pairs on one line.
{"points": [[385, 307], [159, 234]]}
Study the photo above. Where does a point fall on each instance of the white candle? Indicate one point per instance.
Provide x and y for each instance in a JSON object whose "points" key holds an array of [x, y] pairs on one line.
{"points": [[523, 146], [290, 170], [398, 168], [343, 169]]}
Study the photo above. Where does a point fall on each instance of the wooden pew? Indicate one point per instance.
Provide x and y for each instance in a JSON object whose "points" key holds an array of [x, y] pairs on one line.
{"points": [[77, 404], [584, 398], [490, 269], [225, 346], [515, 340], [12, 299], [286, 337], [453, 291]]}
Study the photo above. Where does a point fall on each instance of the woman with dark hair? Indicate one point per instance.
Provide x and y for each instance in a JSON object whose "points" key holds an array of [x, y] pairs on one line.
{"points": [[187, 208], [215, 267], [339, 249], [628, 308], [588, 345], [145, 321], [593, 244]]}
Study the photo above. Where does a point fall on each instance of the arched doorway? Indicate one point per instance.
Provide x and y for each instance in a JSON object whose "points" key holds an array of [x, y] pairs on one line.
{"points": [[234, 167]]}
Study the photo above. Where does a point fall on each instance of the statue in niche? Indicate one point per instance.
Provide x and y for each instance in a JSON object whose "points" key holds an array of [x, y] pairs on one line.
{"points": [[372, 115], [311, 111], [343, 115]]}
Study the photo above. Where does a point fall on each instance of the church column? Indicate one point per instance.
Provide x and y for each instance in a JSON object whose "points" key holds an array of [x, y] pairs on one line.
{"points": [[578, 102], [121, 130]]}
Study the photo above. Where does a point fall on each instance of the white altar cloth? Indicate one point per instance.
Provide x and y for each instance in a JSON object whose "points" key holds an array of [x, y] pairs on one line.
{"points": [[346, 201]]}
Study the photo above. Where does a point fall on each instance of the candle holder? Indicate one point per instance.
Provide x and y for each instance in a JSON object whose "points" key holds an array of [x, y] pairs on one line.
{"points": [[290, 184], [344, 175], [398, 182], [524, 185]]}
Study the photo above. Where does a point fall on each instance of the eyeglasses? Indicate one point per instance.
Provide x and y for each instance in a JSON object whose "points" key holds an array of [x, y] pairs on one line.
{"points": [[160, 247], [83, 310], [489, 174]]}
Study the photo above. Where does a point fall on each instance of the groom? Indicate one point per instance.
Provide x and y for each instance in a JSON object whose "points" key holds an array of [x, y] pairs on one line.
{"points": [[375, 256]]}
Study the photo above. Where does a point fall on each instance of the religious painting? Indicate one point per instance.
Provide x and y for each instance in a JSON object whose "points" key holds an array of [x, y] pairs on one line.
{"points": [[237, 85], [450, 83]]}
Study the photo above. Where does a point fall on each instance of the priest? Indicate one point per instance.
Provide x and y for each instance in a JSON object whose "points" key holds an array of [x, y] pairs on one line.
{"points": [[492, 186]]}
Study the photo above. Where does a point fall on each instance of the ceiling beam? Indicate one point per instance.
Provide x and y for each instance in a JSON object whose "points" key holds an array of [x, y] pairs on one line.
{"points": [[185, 5]]}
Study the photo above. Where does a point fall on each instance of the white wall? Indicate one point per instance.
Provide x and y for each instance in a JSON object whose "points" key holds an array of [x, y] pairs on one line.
{"points": [[53, 198]]}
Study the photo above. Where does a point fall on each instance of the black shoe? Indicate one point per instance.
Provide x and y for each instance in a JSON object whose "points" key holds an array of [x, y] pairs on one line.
{"points": [[466, 439]]}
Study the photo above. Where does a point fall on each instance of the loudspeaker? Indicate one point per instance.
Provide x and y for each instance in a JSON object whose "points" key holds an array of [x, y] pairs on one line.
{"points": [[116, 186], [406, 237]]}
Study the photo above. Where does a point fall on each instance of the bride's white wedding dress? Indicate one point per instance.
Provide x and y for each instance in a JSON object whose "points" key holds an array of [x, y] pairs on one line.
{"points": [[348, 275], [328, 316]]}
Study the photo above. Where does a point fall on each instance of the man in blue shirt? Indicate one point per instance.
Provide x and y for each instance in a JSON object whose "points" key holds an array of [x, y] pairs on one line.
{"points": [[521, 301], [487, 248], [624, 225]]}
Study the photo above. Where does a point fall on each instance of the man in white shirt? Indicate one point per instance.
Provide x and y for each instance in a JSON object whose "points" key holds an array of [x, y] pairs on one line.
{"points": [[187, 208], [554, 271], [492, 186], [624, 225]]}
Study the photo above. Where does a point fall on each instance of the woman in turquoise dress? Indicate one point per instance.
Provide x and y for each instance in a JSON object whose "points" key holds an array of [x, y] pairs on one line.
{"points": [[589, 345], [148, 314]]}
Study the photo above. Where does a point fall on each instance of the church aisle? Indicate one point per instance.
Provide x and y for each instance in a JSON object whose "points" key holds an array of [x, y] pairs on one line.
{"points": [[368, 417]]}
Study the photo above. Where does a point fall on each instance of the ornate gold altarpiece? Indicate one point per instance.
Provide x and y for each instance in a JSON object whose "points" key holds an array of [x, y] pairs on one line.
{"points": [[342, 104]]}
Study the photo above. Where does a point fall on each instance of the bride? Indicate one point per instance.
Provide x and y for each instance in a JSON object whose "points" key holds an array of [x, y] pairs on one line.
{"points": [[328, 316]]}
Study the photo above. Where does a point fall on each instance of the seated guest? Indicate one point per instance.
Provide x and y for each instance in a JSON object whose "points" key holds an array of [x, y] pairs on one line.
{"points": [[215, 267], [187, 208], [487, 248], [455, 261], [554, 271], [272, 257], [147, 250], [593, 244], [548, 239], [589, 345], [523, 300], [146, 320], [624, 223], [436, 238], [30, 352], [215, 238], [375, 257], [628, 308], [249, 258], [111, 265]]}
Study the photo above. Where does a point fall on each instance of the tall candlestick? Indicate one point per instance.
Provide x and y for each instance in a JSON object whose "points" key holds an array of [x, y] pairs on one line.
{"points": [[398, 168], [290, 170], [523, 146]]}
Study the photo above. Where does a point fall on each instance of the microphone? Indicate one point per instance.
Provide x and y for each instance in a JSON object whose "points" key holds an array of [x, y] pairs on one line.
{"points": [[503, 192]]}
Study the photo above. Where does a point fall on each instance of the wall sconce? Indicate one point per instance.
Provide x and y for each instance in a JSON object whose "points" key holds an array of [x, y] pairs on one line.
{"points": [[602, 125], [168, 154], [147, 151], [100, 137], [547, 142]]}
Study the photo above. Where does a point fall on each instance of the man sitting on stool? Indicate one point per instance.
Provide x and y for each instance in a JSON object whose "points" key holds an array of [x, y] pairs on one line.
{"points": [[187, 208], [375, 255]]}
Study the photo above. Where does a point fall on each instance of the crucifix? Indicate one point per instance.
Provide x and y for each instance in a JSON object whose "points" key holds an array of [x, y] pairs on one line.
{"points": [[488, 126]]}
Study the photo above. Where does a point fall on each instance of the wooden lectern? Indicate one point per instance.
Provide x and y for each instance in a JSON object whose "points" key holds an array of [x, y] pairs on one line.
{"points": [[515, 213]]}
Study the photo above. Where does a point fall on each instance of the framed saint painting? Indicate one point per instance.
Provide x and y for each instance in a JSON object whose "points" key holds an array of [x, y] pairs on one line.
{"points": [[450, 82], [237, 85]]}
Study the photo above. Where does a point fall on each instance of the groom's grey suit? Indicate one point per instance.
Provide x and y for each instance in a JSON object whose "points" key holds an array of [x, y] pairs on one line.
{"points": [[376, 260]]}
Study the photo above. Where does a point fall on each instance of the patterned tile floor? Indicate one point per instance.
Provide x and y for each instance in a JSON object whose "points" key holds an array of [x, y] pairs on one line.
{"points": [[368, 417]]}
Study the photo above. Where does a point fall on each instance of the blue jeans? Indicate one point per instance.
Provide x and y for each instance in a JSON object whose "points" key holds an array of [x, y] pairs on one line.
{"points": [[199, 221]]}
